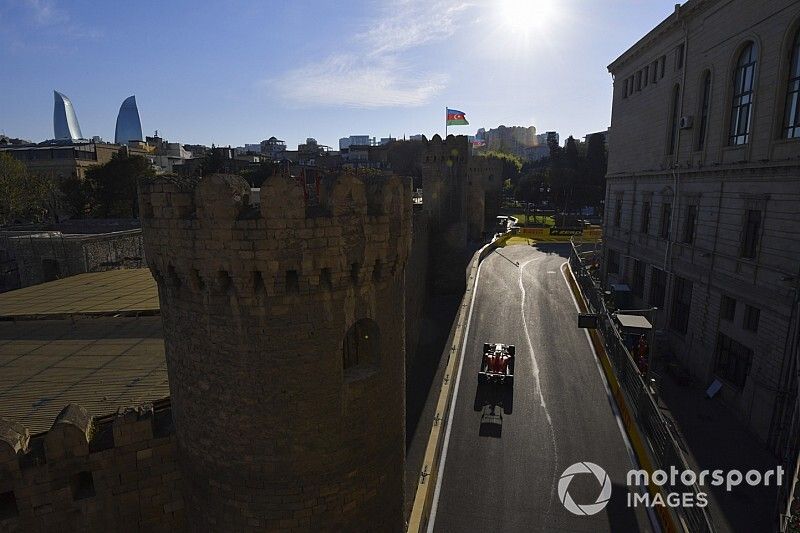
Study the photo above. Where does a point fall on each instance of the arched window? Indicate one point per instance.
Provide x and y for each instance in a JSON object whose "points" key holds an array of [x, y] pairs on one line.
{"points": [[673, 134], [793, 93], [742, 106], [361, 346], [705, 104]]}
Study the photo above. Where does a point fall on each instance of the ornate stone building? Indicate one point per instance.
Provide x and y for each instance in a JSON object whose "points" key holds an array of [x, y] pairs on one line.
{"points": [[703, 194]]}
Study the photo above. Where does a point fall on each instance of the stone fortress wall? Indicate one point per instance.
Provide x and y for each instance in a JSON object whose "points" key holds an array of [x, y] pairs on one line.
{"points": [[287, 329], [284, 336], [116, 473]]}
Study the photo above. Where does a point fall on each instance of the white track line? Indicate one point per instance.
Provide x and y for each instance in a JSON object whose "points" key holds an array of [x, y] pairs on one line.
{"points": [[538, 383], [614, 408], [443, 458]]}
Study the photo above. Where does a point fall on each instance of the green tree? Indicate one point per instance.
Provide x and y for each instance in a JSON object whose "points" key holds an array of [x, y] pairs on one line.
{"points": [[596, 167], [23, 197], [214, 161], [571, 153], [255, 176], [512, 165], [112, 186], [74, 198]]}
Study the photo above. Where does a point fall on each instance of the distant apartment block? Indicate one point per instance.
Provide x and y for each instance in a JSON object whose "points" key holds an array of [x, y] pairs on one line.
{"points": [[703, 194], [273, 148], [62, 159], [512, 139], [354, 140]]}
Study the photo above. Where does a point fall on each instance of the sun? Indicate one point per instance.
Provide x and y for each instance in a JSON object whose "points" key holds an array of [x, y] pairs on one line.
{"points": [[526, 16]]}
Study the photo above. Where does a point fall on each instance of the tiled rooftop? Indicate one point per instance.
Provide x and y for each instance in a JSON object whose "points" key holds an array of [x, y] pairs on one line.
{"points": [[61, 343], [101, 363], [96, 293]]}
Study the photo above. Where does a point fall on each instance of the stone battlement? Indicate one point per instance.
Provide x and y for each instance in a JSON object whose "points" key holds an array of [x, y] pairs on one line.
{"points": [[88, 474], [284, 330], [454, 147], [205, 235], [75, 433]]}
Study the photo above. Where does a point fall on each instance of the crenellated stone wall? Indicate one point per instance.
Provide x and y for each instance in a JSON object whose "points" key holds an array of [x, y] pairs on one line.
{"points": [[444, 178], [111, 474], [284, 335]]}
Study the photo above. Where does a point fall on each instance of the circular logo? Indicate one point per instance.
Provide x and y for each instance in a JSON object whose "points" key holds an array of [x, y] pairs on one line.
{"points": [[589, 508]]}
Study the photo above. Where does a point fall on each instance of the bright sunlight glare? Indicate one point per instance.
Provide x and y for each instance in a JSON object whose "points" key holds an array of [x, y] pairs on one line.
{"points": [[527, 16]]}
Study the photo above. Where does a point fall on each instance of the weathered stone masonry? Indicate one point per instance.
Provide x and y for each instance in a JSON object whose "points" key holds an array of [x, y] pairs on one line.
{"points": [[272, 431], [116, 473]]}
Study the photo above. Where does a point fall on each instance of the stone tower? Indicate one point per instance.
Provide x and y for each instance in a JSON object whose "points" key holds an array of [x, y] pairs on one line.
{"points": [[284, 336], [444, 183]]}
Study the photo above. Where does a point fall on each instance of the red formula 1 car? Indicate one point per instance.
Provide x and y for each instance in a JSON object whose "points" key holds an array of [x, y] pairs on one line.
{"points": [[497, 364]]}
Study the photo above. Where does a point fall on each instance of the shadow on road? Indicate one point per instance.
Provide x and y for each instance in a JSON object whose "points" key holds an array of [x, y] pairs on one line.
{"points": [[553, 248], [620, 516], [494, 395], [491, 422]]}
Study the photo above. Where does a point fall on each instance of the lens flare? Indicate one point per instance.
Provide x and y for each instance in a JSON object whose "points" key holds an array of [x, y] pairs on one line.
{"points": [[527, 16]]}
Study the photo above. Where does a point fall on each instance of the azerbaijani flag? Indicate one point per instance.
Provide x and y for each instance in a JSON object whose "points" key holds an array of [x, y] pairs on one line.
{"points": [[456, 118]]}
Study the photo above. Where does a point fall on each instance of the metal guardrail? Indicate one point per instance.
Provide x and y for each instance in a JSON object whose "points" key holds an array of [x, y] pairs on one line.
{"points": [[664, 449]]}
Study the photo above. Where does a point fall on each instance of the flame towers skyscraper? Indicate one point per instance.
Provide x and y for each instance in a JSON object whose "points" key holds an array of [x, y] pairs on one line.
{"points": [[129, 127], [65, 121]]}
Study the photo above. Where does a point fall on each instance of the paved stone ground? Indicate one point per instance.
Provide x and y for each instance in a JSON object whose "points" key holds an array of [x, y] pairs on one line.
{"points": [[712, 437]]}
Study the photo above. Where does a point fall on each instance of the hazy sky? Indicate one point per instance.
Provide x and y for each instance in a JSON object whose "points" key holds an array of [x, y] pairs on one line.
{"points": [[235, 72]]}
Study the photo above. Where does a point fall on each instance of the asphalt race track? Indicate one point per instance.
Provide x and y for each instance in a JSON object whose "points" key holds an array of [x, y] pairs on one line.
{"points": [[506, 452]]}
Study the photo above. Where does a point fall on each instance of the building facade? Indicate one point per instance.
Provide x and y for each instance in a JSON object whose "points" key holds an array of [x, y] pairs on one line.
{"points": [[513, 139], [65, 121], [62, 159], [129, 125], [703, 190]]}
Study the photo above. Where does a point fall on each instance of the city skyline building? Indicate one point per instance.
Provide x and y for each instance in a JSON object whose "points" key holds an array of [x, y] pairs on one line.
{"points": [[65, 121], [129, 125]]}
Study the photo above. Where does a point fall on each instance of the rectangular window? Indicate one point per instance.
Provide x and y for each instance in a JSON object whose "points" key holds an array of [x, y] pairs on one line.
{"points": [[637, 281], [674, 125], [618, 213], [743, 93], [639, 81], [666, 220], [704, 108], [727, 308], [662, 64], [733, 360], [751, 233], [681, 305], [613, 261], [679, 53], [654, 71], [645, 222], [793, 93], [646, 76], [751, 316], [688, 227], [658, 287], [625, 89]]}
